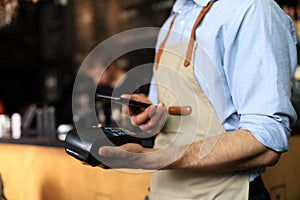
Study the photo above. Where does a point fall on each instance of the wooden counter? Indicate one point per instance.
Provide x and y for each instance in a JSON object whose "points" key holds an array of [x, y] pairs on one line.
{"points": [[32, 172], [283, 180]]}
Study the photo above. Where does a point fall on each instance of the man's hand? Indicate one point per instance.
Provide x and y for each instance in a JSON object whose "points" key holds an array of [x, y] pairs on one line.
{"points": [[126, 156], [151, 119], [134, 156]]}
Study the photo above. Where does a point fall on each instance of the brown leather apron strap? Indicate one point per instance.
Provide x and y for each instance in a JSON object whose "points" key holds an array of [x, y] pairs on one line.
{"points": [[162, 45], [189, 53], [191, 41], [180, 110]]}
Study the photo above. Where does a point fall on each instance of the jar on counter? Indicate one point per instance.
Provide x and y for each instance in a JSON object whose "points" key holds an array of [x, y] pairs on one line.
{"points": [[4, 125], [4, 121]]}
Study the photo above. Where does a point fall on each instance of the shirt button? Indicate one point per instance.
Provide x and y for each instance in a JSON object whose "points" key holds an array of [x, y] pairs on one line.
{"points": [[182, 22]]}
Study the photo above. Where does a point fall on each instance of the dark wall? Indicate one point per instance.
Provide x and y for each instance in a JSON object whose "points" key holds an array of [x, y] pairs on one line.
{"points": [[47, 41], [36, 49]]}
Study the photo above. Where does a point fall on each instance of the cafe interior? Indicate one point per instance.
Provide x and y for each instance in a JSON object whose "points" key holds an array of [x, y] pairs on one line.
{"points": [[45, 46]]}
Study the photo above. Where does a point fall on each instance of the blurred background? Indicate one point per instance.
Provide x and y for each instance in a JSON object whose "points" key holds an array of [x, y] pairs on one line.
{"points": [[44, 42]]}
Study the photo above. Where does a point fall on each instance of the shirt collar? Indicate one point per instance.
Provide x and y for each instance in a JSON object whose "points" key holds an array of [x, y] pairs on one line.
{"points": [[179, 4], [202, 2]]}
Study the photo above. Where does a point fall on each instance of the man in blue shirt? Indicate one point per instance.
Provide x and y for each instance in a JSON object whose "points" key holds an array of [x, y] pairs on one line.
{"points": [[251, 46]]}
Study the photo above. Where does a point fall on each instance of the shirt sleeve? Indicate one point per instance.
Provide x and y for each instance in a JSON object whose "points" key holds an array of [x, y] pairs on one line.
{"points": [[259, 62]]}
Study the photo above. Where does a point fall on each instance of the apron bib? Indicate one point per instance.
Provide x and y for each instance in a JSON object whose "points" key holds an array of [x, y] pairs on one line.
{"points": [[191, 118]]}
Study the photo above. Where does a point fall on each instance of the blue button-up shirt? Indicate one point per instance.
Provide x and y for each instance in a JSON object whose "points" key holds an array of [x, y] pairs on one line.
{"points": [[252, 44]]}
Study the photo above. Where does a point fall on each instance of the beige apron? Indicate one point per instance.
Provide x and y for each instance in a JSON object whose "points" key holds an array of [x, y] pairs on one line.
{"points": [[195, 120]]}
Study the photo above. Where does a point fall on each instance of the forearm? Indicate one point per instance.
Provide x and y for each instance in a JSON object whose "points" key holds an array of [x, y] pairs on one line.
{"points": [[235, 151]]}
